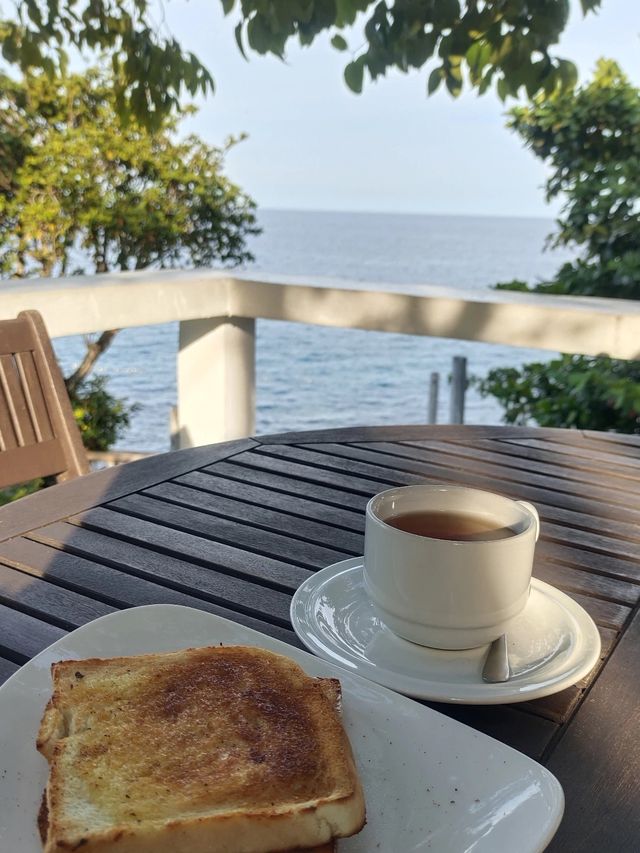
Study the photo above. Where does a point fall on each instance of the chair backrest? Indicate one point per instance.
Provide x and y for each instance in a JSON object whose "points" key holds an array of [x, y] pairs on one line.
{"points": [[38, 434]]}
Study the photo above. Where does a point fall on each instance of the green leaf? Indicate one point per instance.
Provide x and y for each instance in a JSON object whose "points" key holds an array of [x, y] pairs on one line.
{"points": [[238, 35], [508, 35], [568, 74], [435, 78], [339, 43], [353, 75], [454, 85], [259, 35]]}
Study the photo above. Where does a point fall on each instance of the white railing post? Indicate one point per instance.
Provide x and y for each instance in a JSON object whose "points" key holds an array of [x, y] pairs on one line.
{"points": [[216, 380]]}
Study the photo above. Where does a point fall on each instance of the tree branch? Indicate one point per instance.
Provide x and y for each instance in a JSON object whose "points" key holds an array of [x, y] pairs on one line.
{"points": [[94, 350]]}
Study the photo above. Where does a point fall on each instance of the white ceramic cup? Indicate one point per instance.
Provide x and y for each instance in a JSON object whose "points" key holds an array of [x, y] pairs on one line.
{"points": [[445, 593]]}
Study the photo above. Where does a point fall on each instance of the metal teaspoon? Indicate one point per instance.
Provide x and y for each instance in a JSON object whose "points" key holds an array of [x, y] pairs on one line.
{"points": [[496, 665]]}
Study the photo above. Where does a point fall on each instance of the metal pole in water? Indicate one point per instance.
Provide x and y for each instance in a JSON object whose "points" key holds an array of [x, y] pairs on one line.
{"points": [[458, 388], [432, 410]]}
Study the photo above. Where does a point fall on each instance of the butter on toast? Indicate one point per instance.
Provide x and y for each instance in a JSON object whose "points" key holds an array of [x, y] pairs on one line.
{"points": [[233, 749]]}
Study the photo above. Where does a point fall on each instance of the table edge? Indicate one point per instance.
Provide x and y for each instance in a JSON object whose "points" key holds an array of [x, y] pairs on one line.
{"points": [[69, 498]]}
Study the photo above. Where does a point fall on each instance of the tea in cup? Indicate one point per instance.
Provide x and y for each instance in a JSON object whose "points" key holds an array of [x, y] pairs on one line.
{"points": [[448, 566]]}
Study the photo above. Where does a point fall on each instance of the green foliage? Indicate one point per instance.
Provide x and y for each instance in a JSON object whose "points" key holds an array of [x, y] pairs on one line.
{"points": [[71, 175], [505, 43], [575, 391], [150, 71], [101, 417], [616, 277], [13, 493], [590, 140]]}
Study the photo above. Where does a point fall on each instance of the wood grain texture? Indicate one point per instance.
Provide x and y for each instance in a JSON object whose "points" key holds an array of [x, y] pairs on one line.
{"points": [[126, 587], [58, 502], [235, 529], [575, 579], [365, 464], [156, 537], [266, 517], [409, 432], [23, 636], [8, 437], [246, 536], [598, 756], [32, 388], [7, 669], [260, 496], [622, 464], [16, 401], [512, 461], [62, 607], [604, 564], [34, 396], [246, 469], [180, 574], [596, 481]]}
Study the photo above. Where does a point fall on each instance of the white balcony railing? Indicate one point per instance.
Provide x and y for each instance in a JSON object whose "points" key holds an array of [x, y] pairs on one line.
{"points": [[217, 313]]}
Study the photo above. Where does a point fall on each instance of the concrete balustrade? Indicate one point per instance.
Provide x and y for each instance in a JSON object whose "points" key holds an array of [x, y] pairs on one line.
{"points": [[217, 312]]}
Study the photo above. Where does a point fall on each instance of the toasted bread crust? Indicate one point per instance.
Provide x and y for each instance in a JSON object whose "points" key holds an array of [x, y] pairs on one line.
{"points": [[234, 746]]}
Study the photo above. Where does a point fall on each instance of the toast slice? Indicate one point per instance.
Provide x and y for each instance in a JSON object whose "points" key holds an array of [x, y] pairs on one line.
{"points": [[233, 749]]}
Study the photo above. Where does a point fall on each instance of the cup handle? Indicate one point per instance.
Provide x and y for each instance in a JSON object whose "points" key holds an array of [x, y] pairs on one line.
{"points": [[534, 513]]}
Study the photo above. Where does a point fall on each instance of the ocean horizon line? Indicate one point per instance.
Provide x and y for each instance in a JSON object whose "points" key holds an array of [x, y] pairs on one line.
{"points": [[413, 214]]}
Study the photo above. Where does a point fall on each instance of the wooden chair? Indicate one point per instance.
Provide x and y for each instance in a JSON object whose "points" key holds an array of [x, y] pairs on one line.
{"points": [[38, 434]]}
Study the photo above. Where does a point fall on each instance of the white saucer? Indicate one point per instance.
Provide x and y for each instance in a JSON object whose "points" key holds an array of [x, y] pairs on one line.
{"points": [[553, 643]]}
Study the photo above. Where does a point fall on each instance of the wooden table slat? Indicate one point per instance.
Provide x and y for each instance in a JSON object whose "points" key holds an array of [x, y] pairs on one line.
{"points": [[604, 564], [495, 465], [629, 530], [66, 609], [61, 501], [575, 579], [300, 552], [22, 636], [411, 432], [617, 438], [299, 507], [605, 613], [241, 593], [597, 757], [261, 516], [216, 586], [336, 474], [604, 543], [121, 589], [342, 469], [628, 463], [7, 669], [233, 529], [243, 471], [508, 456], [271, 572]]}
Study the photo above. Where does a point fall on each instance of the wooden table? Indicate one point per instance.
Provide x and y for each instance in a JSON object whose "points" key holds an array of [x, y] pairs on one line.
{"points": [[235, 528]]}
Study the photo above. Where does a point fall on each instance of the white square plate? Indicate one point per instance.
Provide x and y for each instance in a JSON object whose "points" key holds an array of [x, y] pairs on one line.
{"points": [[430, 782]]}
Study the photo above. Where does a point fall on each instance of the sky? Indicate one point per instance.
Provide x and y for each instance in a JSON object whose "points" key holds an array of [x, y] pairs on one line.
{"points": [[313, 145]]}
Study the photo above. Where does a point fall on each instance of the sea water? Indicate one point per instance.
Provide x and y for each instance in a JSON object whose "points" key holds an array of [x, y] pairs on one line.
{"points": [[312, 377]]}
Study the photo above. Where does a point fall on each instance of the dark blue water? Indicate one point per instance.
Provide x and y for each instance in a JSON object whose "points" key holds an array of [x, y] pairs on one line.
{"points": [[311, 376]]}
